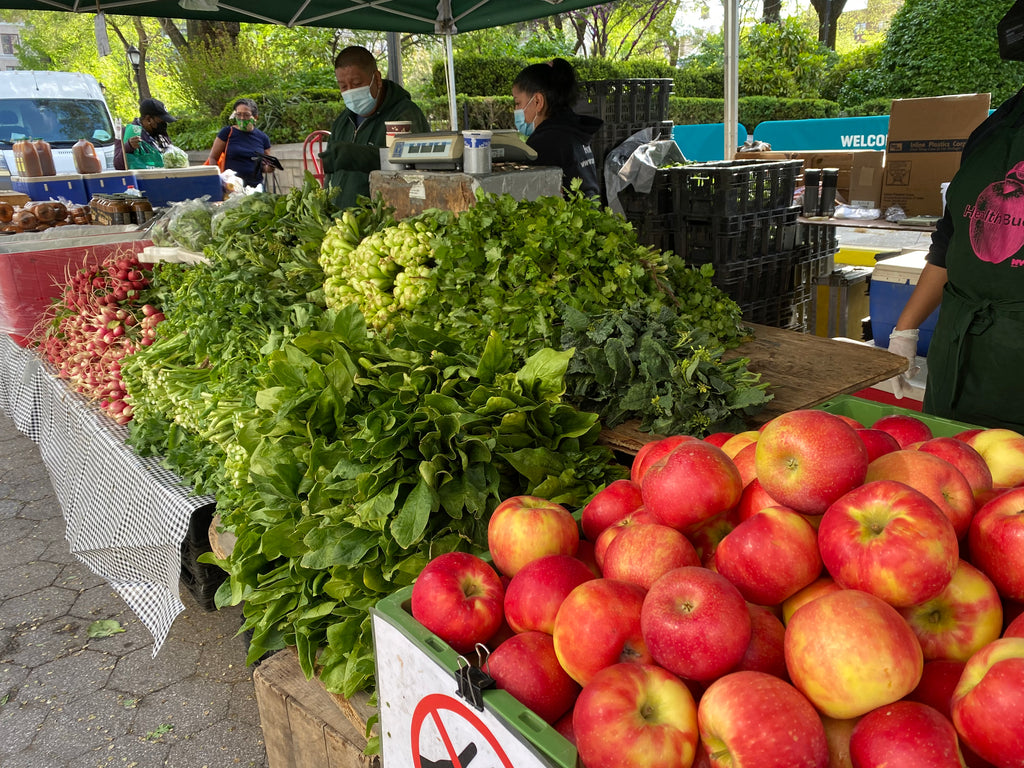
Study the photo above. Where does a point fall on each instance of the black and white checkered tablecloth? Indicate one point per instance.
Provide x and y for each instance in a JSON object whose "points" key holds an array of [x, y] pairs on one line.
{"points": [[126, 516]]}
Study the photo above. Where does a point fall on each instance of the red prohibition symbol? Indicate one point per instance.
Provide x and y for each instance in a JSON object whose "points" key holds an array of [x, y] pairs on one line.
{"points": [[428, 711]]}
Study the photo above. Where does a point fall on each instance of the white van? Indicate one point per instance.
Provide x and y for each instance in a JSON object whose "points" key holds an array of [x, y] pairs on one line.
{"points": [[58, 107]]}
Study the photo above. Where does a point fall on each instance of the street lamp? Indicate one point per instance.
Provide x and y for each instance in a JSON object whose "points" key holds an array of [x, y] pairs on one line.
{"points": [[135, 59]]}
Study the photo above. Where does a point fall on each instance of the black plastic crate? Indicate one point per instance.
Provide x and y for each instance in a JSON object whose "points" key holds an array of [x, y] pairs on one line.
{"points": [[635, 100], [789, 310], [611, 135], [656, 202], [755, 279], [734, 187], [809, 266], [720, 240], [821, 238], [201, 579]]}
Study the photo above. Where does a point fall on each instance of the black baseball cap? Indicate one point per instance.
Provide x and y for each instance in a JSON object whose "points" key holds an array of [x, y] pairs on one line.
{"points": [[155, 108]]}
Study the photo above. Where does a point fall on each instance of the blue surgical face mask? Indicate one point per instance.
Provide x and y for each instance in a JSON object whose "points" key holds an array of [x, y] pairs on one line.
{"points": [[519, 115], [359, 100]]}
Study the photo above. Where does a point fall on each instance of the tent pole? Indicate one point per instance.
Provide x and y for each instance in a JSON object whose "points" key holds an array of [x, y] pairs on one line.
{"points": [[450, 66], [731, 35], [395, 57]]}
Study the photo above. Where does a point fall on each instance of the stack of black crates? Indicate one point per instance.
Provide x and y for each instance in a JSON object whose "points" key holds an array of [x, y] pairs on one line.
{"points": [[738, 216], [626, 107]]}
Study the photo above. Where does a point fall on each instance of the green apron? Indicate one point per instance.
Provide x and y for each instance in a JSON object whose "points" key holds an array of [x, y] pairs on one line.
{"points": [[976, 355]]}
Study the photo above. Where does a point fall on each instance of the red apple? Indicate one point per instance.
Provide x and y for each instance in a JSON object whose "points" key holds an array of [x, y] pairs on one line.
{"points": [[807, 459], [905, 428], [996, 542], [563, 726], [637, 517], [459, 597], [1003, 451], [587, 554], [745, 461], [718, 438], [890, 540], [1015, 628], [739, 441], [696, 623], [988, 703], [523, 528], [635, 716], [936, 478], [878, 442], [609, 505], [850, 652], [642, 553], [938, 681], [693, 482], [967, 434], [964, 617], [765, 652], [708, 535], [534, 595], [754, 498], [652, 452], [525, 665], [907, 734], [756, 719], [770, 556], [958, 453], [814, 590], [598, 625]]}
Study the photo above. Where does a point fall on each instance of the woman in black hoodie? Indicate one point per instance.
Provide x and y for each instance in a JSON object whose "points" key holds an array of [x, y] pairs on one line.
{"points": [[544, 96]]}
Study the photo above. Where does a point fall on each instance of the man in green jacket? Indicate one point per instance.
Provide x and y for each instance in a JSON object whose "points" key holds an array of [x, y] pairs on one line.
{"points": [[358, 133]]}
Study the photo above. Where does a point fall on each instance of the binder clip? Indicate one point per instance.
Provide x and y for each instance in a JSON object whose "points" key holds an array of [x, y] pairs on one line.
{"points": [[473, 681]]}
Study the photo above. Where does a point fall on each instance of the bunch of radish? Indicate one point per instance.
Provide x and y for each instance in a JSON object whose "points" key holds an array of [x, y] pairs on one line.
{"points": [[100, 317]]}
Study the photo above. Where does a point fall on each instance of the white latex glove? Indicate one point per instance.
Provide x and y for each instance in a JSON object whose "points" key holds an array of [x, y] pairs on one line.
{"points": [[904, 344]]}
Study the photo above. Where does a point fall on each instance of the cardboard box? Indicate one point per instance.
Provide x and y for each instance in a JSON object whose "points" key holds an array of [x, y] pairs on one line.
{"points": [[860, 171], [926, 137]]}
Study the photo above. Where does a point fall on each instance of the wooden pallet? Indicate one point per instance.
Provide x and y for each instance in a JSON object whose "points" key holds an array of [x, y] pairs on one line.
{"points": [[303, 724]]}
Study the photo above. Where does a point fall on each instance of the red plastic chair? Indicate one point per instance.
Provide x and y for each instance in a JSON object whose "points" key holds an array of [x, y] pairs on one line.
{"points": [[311, 150]]}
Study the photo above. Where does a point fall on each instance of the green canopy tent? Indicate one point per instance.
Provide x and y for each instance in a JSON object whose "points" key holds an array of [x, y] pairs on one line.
{"points": [[440, 17]]}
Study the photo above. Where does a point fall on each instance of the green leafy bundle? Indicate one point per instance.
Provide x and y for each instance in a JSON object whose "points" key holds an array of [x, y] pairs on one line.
{"points": [[367, 459], [633, 362]]}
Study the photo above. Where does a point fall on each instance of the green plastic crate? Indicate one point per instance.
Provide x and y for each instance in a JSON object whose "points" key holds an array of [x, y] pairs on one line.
{"points": [[402, 642], [867, 412]]}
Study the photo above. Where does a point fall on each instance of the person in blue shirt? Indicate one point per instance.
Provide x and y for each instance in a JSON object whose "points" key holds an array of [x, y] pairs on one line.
{"points": [[242, 144]]}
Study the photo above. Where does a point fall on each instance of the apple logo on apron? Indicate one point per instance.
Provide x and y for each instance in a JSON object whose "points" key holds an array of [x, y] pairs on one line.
{"points": [[997, 220]]}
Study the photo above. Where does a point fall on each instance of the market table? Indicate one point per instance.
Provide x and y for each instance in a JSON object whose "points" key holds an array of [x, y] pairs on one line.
{"points": [[126, 515], [802, 370]]}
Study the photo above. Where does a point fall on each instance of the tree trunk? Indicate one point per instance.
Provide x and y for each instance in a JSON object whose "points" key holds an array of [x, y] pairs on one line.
{"points": [[772, 12], [829, 12]]}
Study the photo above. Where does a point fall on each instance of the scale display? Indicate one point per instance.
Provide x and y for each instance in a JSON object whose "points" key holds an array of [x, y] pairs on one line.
{"points": [[420, 150]]}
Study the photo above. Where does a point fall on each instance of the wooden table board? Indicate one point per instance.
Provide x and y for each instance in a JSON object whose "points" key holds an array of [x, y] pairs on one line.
{"points": [[802, 370]]}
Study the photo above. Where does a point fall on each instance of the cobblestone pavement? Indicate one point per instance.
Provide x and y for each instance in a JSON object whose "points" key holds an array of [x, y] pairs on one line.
{"points": [[70, 700]]}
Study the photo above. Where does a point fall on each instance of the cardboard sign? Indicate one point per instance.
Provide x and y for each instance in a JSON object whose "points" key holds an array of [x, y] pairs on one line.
{"points": [[926, 137]]}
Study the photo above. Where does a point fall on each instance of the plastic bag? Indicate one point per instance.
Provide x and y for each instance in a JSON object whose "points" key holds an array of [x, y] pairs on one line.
{"points": [[187, 224], [634, 163], [175, 157], [145, 155]]}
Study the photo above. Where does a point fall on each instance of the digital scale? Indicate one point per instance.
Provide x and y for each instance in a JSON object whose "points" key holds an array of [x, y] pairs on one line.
{"points": [[442, 150]]}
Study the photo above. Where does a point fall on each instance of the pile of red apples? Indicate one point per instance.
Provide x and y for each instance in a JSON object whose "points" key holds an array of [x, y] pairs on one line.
{"points": [[817, 593]]}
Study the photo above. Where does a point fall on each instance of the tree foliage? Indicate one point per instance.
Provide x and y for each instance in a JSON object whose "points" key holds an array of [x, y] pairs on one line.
{"points": [[625, 29], [962, 51]]}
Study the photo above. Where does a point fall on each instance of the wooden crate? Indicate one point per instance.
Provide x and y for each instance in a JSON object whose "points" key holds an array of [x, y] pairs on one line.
{"points": [[303, 725]]}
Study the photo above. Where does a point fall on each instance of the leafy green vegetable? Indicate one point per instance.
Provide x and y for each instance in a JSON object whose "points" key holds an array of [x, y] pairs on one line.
{"points": [[637, 364]]}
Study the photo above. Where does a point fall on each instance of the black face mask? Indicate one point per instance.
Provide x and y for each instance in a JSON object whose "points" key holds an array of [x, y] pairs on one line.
{"points": [[1011, 33]]}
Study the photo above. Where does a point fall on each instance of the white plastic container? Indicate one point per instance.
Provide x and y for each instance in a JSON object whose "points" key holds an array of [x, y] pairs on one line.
{"points": [[476, 152]]}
